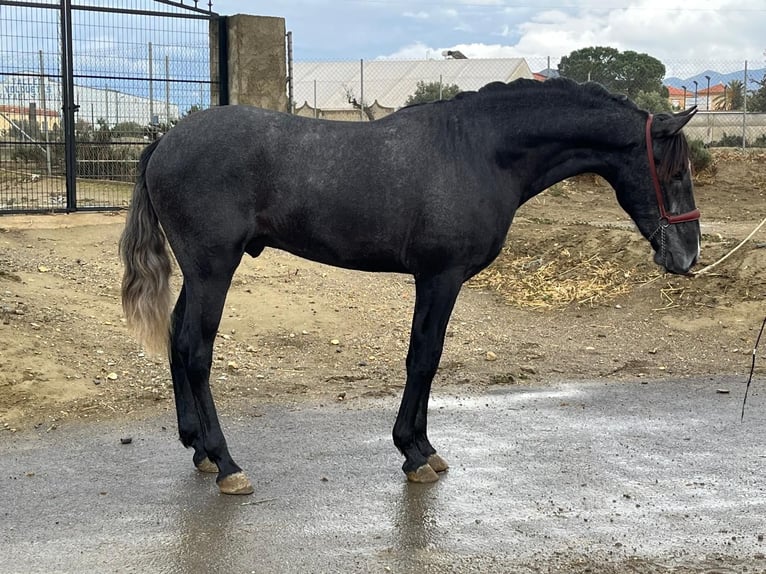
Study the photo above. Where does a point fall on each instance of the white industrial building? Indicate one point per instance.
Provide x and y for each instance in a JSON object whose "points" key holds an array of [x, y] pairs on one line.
{"points": [[17, 92], [328, 89]]}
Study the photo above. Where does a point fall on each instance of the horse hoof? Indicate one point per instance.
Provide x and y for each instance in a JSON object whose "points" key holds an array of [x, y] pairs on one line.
{"points": [[236, 483], [437, 463], [207, 465], [424, 474]]}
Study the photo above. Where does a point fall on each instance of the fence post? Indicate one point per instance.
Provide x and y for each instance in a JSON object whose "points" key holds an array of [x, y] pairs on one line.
{"points": [[167, 92], [223, 60], [68, 106], [290, 79], [44, 104], [744, 110], [151, 86], [361, 89]]}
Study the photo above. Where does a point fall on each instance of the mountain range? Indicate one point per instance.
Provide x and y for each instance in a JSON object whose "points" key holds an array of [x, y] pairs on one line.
{"points": [[716, 78]]}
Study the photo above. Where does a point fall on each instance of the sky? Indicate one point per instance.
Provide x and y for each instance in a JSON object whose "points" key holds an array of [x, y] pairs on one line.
{"points": [[684, 33]]}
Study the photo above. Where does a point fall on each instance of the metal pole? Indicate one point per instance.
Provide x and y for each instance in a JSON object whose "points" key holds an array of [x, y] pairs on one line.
{"points": [[223, 61], [315, 98], [116, 107], [69, 107], [167, 93], [361, 89], [744, 108], [44, 111], [290, 92], [106, 103], [151, 87]]}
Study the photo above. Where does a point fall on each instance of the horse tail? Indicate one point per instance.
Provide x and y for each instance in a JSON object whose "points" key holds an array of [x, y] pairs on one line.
{"points": [[143, 248]]}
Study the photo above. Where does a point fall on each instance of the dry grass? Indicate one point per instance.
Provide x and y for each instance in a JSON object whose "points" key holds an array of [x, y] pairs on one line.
{"points": [[557, 280]]}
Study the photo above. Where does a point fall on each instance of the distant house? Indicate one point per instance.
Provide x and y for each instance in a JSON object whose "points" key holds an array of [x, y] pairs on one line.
{"points": [[337, 90], [681, 98], [29, 118], [678, 97]]}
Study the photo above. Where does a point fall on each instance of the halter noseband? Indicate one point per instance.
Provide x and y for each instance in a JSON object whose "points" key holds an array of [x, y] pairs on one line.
{"points": [[665, 217]]}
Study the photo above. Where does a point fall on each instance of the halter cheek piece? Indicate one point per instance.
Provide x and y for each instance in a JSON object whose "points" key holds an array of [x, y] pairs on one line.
{"points": [[666, 219]]}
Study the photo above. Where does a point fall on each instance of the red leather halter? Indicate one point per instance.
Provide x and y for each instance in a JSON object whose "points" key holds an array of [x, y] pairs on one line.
{"points": [[664, 215]]}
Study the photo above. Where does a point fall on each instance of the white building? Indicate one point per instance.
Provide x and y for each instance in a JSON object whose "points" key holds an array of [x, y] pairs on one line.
{"points": [[112, 106], [385, 85]]}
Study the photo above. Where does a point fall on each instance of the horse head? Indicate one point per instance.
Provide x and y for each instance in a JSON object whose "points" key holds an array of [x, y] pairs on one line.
{"points": [[658, 193]]}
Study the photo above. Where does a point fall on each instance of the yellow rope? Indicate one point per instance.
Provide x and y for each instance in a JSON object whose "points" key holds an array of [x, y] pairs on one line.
{"points": [[745, 240]]}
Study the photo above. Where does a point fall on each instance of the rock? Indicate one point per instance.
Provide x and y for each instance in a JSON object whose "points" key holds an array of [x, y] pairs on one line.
{"points": [[126, 440], [232, 365], [112, 376], [43, 268], [335, 342], [490, 356], [502, 379]]}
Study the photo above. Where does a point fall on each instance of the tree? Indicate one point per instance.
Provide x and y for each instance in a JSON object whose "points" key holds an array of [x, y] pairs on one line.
{"points": [[732, 97], [653, 102], [626, 72], [431, 92], [756, 101], [193, 109], [128, 129]]}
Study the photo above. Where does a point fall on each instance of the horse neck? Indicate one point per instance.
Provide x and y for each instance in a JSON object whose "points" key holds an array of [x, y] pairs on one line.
{"points": [[540, 145]]}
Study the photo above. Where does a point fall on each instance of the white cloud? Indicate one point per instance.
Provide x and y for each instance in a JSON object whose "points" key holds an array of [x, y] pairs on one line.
{"points": [[682, 34], [688, 36]]}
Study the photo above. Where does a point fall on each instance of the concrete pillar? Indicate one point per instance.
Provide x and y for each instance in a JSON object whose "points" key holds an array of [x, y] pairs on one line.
{"points": [[257, 61]]}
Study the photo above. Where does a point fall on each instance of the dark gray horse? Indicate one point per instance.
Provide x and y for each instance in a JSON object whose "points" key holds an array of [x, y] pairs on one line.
{"points": [[430, 190]]}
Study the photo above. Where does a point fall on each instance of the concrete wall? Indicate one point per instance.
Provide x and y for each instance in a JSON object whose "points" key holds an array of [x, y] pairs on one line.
{"points": [[711, 126], [257, 70]]}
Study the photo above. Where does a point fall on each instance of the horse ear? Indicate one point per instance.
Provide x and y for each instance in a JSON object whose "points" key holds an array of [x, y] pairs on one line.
{"points": [[667, 125]]}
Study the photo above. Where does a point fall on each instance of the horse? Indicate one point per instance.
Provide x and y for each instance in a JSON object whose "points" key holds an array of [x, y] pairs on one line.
{"points": [[430, 190]]}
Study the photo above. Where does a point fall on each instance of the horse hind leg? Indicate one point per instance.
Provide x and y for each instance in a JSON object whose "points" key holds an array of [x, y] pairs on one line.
{"points": [[189, 425], [193, 344]]}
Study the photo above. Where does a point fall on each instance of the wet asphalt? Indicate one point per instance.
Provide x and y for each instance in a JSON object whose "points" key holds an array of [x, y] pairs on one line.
{"points": [[571, 477]]}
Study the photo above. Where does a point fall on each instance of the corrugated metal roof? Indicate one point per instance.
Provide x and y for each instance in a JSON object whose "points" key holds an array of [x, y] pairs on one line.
{"points": [[391, 82]]}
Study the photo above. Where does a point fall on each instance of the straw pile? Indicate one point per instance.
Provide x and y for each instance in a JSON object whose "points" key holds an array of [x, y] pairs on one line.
{"points": [[556, 279]]}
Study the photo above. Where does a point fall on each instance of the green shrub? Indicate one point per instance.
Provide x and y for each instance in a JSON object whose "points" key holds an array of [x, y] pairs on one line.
{"points": [[728, 141], [700, 156]]}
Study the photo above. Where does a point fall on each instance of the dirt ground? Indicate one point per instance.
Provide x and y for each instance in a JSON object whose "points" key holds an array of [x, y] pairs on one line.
{"points": [[574, 295]]}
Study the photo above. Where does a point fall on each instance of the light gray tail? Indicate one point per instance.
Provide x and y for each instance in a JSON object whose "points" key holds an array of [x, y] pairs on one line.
{"points": [[146, 298]]}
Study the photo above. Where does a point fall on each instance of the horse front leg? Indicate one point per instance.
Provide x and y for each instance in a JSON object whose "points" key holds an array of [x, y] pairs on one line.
{"points": [[434, 300]]}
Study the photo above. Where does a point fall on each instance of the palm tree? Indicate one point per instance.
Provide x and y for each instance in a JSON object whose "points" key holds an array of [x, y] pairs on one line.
{"points": [[732, 97]]}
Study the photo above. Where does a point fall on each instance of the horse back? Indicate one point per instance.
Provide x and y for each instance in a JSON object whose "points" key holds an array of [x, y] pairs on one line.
{"points": [[384, 195]]}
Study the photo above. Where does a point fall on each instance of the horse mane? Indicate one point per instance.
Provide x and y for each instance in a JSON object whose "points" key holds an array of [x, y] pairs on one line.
{"points": [[676, 152], [567, 87]]}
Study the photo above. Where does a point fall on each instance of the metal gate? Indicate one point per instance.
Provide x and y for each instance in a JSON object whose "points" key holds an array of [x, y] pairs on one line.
{"points": [[85, 86]]}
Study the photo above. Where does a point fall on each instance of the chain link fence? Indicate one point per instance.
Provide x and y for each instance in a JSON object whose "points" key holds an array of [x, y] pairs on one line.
{"points": [[730, 96]]}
